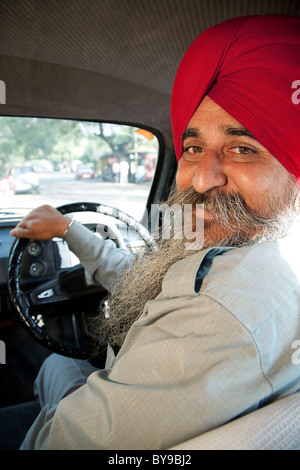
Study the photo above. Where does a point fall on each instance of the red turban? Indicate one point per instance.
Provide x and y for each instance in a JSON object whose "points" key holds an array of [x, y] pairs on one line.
{"points": [[250, 66]]}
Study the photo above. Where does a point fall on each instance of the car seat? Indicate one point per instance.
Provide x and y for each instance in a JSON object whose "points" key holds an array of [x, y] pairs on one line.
{"points": [[272, 427]]}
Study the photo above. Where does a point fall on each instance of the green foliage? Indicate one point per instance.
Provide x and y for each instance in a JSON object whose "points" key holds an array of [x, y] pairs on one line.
{"points": [[61, 141]]}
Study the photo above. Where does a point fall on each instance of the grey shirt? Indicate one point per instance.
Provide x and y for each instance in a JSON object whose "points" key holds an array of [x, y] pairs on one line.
{"points": [[195, 359]]}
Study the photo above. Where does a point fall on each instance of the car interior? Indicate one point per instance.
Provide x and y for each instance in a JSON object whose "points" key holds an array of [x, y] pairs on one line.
{"points": [[85, 93]]}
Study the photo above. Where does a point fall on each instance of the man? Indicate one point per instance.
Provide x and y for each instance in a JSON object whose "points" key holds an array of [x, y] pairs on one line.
{"points": [[205, 336]]}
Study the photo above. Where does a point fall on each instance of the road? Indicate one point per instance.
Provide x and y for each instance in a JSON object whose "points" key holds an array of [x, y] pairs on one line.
{"points": [[59, 188]]}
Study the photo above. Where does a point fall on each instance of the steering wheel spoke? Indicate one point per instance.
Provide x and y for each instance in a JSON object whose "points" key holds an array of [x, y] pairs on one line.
{"points": [[67, 286]]}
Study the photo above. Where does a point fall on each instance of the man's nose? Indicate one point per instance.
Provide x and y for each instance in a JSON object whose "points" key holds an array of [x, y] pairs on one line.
{"points": [[209, 172]]}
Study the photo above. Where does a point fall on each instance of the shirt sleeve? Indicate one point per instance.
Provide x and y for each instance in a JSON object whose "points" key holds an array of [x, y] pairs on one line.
{"points": [[102, 260]]}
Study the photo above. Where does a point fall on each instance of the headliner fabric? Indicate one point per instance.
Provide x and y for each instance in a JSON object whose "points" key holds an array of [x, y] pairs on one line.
{"points": [[247, 65]]}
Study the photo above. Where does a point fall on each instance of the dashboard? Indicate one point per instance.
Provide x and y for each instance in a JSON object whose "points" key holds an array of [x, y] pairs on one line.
{"points": [[41, 262], [43, 259]]}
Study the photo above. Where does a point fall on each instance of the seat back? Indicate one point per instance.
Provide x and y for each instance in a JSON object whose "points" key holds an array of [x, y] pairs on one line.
{"points": [[273, 427]]}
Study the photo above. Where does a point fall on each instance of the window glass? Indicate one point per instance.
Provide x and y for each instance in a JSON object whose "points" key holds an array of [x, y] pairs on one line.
{"points": [[52, 161]]}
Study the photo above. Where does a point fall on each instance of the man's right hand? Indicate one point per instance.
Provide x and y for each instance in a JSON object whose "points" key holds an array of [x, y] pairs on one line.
{"points": [[42, 223]]}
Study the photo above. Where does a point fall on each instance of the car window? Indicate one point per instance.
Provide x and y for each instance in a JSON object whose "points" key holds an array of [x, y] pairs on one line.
{"points": [[53, 161]]}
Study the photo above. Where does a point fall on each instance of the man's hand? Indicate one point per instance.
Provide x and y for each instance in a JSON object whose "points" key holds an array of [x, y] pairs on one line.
{"points": [[42, 223]]}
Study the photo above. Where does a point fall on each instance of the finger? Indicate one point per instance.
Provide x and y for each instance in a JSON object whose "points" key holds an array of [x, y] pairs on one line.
{"points": [[20, 232]]}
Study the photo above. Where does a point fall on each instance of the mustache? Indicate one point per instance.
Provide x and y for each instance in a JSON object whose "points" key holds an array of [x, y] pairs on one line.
{"points": [[228, 209]]}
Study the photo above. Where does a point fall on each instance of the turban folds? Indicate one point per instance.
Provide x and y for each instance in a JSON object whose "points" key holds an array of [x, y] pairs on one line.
{"points": [[250, 66]]}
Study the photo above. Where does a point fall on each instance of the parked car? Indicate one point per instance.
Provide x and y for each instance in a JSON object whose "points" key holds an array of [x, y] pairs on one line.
{"points": [[91, 62], [22, 179], [84, 172]]}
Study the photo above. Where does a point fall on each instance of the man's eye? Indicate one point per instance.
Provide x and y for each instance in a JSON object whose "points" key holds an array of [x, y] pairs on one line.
{"points": [[241, 150], [192, 149]]}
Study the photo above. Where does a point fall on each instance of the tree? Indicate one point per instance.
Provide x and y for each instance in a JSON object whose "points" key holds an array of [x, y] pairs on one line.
{"points": [[29, 139]]}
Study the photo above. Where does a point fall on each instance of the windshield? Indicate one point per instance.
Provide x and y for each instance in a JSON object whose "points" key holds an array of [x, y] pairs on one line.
{"points": [[53, 161]]}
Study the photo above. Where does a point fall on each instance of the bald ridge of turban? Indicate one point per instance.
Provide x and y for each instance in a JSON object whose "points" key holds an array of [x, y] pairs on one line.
{"points": [[250, 66]]}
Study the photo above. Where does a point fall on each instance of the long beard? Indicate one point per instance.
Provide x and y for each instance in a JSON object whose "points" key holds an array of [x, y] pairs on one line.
{"points": [[236, 225]]}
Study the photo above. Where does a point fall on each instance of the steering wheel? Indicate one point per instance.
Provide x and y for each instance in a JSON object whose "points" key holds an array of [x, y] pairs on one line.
{"points": [[23, 302]]}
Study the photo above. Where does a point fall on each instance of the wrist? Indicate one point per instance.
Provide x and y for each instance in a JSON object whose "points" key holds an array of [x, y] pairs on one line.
{"points": [[61, 224], [69, 224]]}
